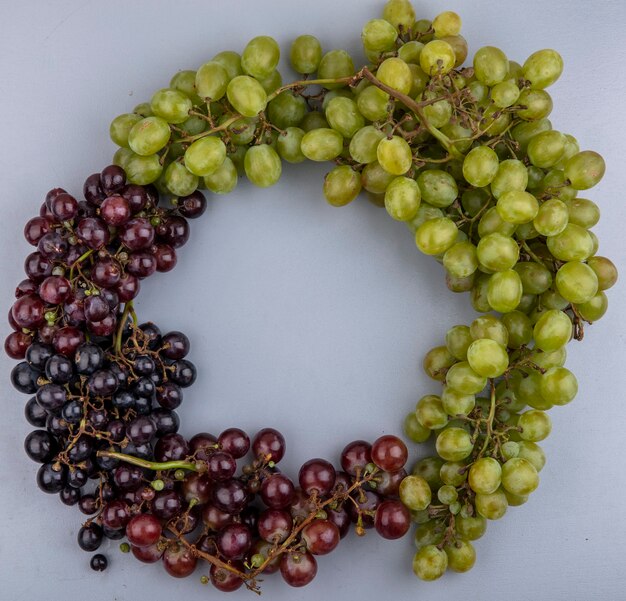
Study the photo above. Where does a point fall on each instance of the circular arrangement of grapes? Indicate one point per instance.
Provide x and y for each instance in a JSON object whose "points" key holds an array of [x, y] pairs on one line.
{"points": [[465, 156]]}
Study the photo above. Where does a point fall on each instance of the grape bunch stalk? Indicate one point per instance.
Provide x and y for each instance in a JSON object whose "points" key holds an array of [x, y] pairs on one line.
{"points": [[465, 156]]}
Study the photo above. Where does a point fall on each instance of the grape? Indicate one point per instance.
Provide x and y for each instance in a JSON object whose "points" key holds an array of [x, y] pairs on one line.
{"points": [[430, 412], [471, 527], [537, 103], [364, 143], [438, 188], [402, 198], [430, 563], [179, 180], [464, 379], [543, 68], [343, 116], [480, 166], [546, 148], [489, 326], [171, 105], [231, 61], [394, 155], [497, 252], [415, 493], [341, 186], [487, 358], [414, 429], [535, 425], [504, 291], [458, 339], [321, 144], [288, 145], [375, 179], [395, 73], [410, 52], [399, 13], [519, 476], [120, 128], [576, 282], [492, 506], [224, 179], [491, 223], [558, 386], [490, 65], [287, 110], [334, 65], [306, 54], [461, 556], [582, 212], [205, 156], [485, 475], [378, 35], [552, 217], [456, 403], [148, 136], [605, 271], [505, 94], [447, 23], [454, 444], [437, 56], [447, 494], [373, 103], [585, 169], [453, 473], [246, 95], [533, 453], [260, 57], [436, 236], [594, 308], [212, 80], [517, 206], [263, 166]]}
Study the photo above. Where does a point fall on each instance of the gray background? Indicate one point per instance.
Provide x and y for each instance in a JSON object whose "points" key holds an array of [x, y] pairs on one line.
{"points": [[304, 317]]}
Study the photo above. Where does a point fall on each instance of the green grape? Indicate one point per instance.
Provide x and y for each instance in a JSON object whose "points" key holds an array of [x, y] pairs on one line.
{"points": [[537, 103], [489, 326], [262, 165], [394, 155], [120, 128], [552, 217], [504, 291], [585, 169], [212, 80], [492, 223], [510, 449], [430, 412], [437, 56], [543, 68], [605, 271], [511, 175], [446, 23], [342, 185], [461, 260], [463, 378], [429, 468], [552, 330], [402, 198], [576, 282], [414, 430], [237, 156], [334, 65], [533, 453], [505, 94], [424, 213], [242, 131], [143, 170], [583, 212], [272, 82], [524, 132], [313, 120], [436, 236], [479, 91], [546, 148], [305, 54], [287, 110], [373, 103], [375, 179], [447, 494], [471, 527], [480, 166], [343, 116], [594, 308], [515, 500], [458, 339], [205, 155], [555, 184], [528, 389], [224, 179], [143, 109], [338, 93], [171, 105], [485, 475], [323, 144], [558, 386], [519, 476], [415, 493], [497, 252], [495, 121], [289, 143], [548, 359], [519, 327], [536, 425], [487, 358], [454, 444], [491, 65], [478, 293], [596, 243], [231, 61], [574, 243], [149, 135], [438, 187], [179, 180], [456, 403], [395, 73], [459, 46], [410, 52], [462, 141], [122, 156], [246, 95], [518, 207], [430, 563], [526, 231], [453, 473], [185, 82], [515, 70], [399, 13], [536, 277], [491, 506], [364, 143], [260, 56], [378, 35], [193, 125]]}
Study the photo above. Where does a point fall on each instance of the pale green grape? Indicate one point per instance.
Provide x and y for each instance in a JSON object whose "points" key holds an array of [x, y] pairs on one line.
{"points": [[212, 80], [552, 217], [552, 330], [171, 105], [533, 453], [480, 166], [548, 359], [313, 120], [546, 148], [334, 65], [453, 473], [458, 339], [272, 82], [447, 23], [430, 563], [436, 236], [504, 291], [479, 91], [224, 179], [415, 493], [461, 259], [487, 358], [378, 35], [242, 131], [364, 143], [262, 165], [193, 125], [574, 243], [454, 444], [402, 198], [288, 145], [519, 476], [373, 103], [143, 170], [536, 425], [485, 475], [537, 103], [585, 169], [456, 403], [505, 94], [185, 82], [231, 61], [519, 327], [430, 412], [342, 185], [305, 54], [556, 184], [515, 500], [437, 113], [605, 271], [528, 390], [148, 136], [536, 277], [246, 95], [489, 326], [576, 282], [437, 56], [375, 179], [558, 386], [414, 430], [122, 156], [543, 68], [582, 212], [287, 110], [459, 45], [410, 52], [394, 155], [395, 73], [524, 132], [120, 128], [471, 527], [491, 223], [491, 65], [179, 180], [510, 449], [429, 468], [492, 506], [438, 187], [495, 121], [323, 144], [260, 57], [497, 252], [478, 293], [594, 308], [463, 378], [343, 116], [511, 175], [517, 206], [399, 13], [205, 155], [447, 494]]}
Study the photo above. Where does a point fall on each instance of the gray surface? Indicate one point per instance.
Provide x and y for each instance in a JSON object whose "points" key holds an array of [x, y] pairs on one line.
{"points": [[304, 317]]}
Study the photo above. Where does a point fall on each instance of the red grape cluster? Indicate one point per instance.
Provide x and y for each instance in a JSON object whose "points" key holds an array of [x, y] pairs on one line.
{"points": [[104, 394]]}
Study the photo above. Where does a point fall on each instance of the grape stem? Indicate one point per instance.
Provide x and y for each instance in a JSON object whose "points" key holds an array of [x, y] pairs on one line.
{"points": [[151, 465], [78, 261], [128, 310], [490, 418]]}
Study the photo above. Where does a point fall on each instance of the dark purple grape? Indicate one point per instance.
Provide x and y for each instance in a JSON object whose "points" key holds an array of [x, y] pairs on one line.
{"points": [[198, 487], [128, 477], [98, 563], [144, 387], [317, 476], [192, 206], [28, 311], [40, 446], [96, 307], [367, 504], [36, 229], [143, 530], [67, 340], [112, 179], [93, 232], [174, 231], [221, 466], [102, 383], [136, 196], [235, 442], [274, 525], [165, 257], [90, 537], [89, 357], [166, 504], [169, 395], [106, 327], [269, 444], [143, 405], [98, 418], [150, 554], [81, 449], [37, 267], [72, 411], [202, 445], [51, 195], [35, 414], [171, 447], [127, 288], [298, 569], [26, 287], [341, 519], [16, 344], [92, 190], [69, 496], [143, 365], [234, 540], [141, 430], [77, 477], [392, 519], [51, 480], [24, 378], [277, 491], [320, 536], [138, 233], [64, 207], [123, 399], [215, 518], [166, 421], [179, 561], [389, 453], [224, 580], [88, 504], [37, 355], [106, 272], [53, 246], [116, 430], [57, 425], [59, 369], [141, 264], [230, 496]]}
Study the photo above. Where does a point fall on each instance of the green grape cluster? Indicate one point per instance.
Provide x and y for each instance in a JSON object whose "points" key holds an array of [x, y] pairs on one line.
{"points": [[467, 158]]}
